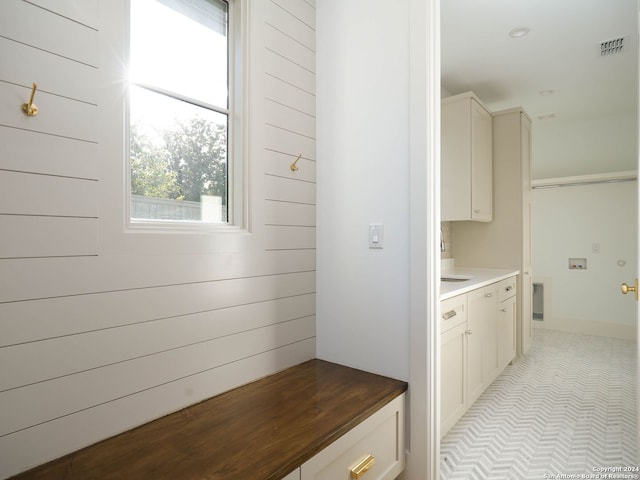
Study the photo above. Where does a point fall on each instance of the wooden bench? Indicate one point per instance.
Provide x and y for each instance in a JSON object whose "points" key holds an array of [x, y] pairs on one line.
{"points": [[263, 430]]}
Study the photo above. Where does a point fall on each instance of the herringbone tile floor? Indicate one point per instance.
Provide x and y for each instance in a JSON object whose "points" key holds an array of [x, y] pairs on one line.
{"points": [[565, 408]]}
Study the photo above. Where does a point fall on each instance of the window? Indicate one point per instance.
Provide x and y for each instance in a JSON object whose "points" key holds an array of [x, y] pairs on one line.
{"points": [[179, 111]]}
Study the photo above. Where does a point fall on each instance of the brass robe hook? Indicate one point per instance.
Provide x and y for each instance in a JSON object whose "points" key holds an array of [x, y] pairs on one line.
{"points": [[30, 109], [293, 166]]}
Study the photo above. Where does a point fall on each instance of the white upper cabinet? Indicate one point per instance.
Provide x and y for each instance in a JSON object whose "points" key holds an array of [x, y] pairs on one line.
{"points": [[466, 159]]}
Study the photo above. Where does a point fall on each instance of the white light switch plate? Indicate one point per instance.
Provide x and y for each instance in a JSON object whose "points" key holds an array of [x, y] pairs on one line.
{"points": [[376, 235]]}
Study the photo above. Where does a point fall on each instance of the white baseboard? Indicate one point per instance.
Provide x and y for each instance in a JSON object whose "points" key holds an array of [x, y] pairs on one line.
{"points": [[589, 327]]}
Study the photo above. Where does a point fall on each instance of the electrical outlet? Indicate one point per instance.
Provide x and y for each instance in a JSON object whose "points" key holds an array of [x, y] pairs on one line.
{"points": [[577, 264]]}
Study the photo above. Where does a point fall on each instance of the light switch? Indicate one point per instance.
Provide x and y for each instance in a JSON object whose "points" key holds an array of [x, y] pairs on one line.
{"points": [[376, 235]]}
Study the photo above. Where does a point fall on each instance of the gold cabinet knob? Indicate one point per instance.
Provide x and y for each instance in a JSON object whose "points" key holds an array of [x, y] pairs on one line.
{"points": [[626, 289]]}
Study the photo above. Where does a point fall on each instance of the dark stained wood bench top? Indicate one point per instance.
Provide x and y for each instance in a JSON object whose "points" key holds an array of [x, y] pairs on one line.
{"points": [[263, 430]]}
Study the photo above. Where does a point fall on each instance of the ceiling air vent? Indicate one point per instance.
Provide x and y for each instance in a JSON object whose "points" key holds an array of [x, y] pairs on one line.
{"points": [[612, 47]]}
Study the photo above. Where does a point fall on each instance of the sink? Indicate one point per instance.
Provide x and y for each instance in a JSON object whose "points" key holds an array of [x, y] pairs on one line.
{"points": [[455, 278]]}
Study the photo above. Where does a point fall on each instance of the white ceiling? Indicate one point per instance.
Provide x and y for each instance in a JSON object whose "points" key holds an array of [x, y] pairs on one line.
{"points": [[561, 53]]}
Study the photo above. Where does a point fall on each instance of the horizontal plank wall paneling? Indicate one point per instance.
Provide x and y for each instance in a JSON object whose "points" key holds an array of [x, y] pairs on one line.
{"points": [[84, 11], [283, 44], [39, 278], [285, 189], [33, 236], [292, 143], [290, 71], [286, 22], [23, 322], [57, 115], [50, 72], [284, 213], [27, 151], [279, 165], [100, 343], [58, 436], [52, 212], [27, 194], [42, 29], [290, 118], [67, 394], [67, 355], [290, 237], [300, 10], [281, 91], [291, 122]]}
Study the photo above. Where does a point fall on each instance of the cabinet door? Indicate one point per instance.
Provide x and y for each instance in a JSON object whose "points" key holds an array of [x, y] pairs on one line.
{"points": [[481, 163], [455, 166], [475, 332], [453, 359], [507, 341], [488, 311], [466, 171]]}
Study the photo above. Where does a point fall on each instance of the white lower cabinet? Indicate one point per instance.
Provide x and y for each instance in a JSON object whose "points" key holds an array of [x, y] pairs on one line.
{"points": [[453, 361], [507, 343], [295, 475], [486, 316], [453, 391], [478, 339], [475, 333], [373, 450]]}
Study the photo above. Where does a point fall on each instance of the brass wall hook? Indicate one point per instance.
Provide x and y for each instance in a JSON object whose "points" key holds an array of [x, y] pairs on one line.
{"points": [[30, 109], [293, 166]]}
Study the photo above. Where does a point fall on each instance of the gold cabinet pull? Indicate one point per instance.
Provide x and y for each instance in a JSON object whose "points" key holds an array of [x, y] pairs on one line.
{"points": [[363, 467], [30, 109]]}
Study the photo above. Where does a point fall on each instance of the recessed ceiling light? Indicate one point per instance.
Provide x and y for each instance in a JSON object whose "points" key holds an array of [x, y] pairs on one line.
{"points": [[518, 32], [546, 93], [548, 116]]}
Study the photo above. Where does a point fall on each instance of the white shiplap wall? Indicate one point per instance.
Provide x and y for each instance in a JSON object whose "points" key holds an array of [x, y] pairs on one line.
{"points": [[98, 336]]}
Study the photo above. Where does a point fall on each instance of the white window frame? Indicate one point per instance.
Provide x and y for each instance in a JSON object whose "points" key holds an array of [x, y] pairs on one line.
{"points": [[237, 161]]}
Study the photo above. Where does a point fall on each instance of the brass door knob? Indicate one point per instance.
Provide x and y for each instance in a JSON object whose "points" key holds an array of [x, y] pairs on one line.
{"points": [[626, 289]]}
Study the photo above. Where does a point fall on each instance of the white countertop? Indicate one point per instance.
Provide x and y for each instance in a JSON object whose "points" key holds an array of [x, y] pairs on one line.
{"points": [[480, 277]]}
